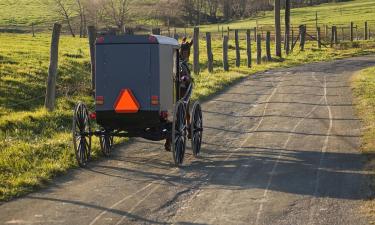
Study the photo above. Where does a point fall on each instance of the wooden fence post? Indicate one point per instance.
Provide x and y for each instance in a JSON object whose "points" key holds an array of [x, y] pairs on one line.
{"points": [[196, 51], [175, 34], [259, 49], [356, 32], [326, 32], [302, 37], [332, 36], [318, 38], [222, 32], [366, 31], [255, 34], [32, 28], [268, 46], [210, 56], [52, 70], [336, 37], [156, 31], [248, 47], [92, 38], [225, 53], [342, 34], [238, 55], [228, 32], [351, 31], [292, 39], [369, 33]]}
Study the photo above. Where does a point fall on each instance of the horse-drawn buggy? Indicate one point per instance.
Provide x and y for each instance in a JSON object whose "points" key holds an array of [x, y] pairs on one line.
{"points": [[141, 90]]}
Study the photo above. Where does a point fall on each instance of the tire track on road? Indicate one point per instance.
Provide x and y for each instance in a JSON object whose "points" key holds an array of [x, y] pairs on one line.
{"points": [[158, 186], [322, 155], [265, 193], [275, 88]]}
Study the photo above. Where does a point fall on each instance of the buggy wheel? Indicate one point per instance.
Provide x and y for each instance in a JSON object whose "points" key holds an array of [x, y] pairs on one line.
{"points": [[106, 143], [179, 133], [196, 128], [81, 134]]}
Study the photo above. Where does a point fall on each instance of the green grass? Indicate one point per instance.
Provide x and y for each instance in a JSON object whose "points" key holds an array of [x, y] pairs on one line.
{"points": [[342, 13], [25, 12], [363, 85], [364, 91]]}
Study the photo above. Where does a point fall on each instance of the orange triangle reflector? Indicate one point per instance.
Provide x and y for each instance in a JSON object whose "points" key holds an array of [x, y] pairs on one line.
{"points": [[126, 102]]}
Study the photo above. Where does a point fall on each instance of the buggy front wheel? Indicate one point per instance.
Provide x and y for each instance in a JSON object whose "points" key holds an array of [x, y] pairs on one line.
{"points": [[179, 133], [196, 128], [81, 134], [106, 143]]}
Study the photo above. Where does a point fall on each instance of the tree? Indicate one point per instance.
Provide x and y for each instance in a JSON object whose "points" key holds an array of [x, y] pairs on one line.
{"points": [[65, 9], [277, 28], [80, 10], [116, 12]]}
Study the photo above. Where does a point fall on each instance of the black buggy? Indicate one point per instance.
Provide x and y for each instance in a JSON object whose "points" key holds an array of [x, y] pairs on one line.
{"points": [[138, 94]]}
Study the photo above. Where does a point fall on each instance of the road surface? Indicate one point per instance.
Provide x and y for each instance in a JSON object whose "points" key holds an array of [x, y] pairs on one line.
{"points": [[280, 147]]}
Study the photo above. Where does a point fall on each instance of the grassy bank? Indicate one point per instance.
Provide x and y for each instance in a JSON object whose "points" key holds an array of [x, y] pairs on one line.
{"points": [[36, 144], [364, 91], [363, 85]]}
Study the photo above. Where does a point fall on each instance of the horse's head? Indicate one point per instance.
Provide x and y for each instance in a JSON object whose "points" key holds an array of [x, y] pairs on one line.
{"points": [[185, 49]]}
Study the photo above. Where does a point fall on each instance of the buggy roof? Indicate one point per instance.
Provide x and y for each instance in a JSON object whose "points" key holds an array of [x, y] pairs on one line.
{"points": [[137, 39]]}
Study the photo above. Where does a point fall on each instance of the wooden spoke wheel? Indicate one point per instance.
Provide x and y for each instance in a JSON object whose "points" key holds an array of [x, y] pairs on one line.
{"points": [[196, 128], [106, 143], [81, 134], [179, 133]]}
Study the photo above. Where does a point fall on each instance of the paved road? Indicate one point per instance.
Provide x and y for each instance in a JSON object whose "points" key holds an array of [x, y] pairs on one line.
{"points": [[280, 147]]}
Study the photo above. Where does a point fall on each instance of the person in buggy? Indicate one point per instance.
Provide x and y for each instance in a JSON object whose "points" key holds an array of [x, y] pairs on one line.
{"points": [[185, 81]]}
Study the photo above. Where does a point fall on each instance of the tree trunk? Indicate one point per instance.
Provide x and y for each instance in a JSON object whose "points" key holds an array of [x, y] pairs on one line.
{"points": [[287, 26], [277, 28], [70, 28]]}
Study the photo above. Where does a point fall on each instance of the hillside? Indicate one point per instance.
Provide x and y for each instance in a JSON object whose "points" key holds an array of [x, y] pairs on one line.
{"points": [[25, 12], [342, 13]]}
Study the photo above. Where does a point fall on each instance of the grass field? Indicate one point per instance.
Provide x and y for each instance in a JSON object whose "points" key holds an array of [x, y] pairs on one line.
{"points": [[342, 13], [39, 12], [25, 12]]}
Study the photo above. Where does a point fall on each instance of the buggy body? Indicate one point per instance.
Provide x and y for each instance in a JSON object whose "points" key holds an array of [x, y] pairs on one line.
{"points": [[138, 93]]}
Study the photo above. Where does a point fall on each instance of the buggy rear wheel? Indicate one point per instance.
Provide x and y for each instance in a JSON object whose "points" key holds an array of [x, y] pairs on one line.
{"points": [[106, 143], [81, 134], [179, 133], [196, 128]]}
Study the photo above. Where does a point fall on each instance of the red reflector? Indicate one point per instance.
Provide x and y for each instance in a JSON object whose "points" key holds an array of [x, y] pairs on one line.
{"points": [[99, 100], [164, 115], [152, 39], [154, 100], [100, 40], [126, 102], [92, 115]]}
